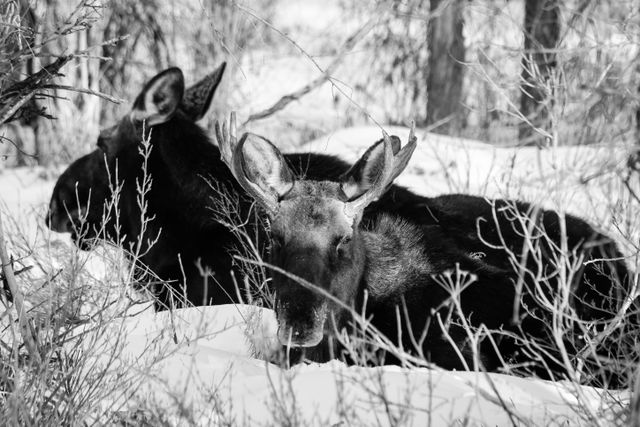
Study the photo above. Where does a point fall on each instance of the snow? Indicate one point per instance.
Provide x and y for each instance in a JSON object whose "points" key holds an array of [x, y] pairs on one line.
{"points": [[572, 179], [23, 190], [456, 164], [198, 353], [204, 359]]}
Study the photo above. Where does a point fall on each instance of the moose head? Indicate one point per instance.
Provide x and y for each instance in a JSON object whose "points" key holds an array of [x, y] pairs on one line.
{"points": [[317, 245], [78, 201]]}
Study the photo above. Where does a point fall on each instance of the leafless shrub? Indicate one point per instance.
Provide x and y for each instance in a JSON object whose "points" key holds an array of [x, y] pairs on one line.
{"points": [[79, 314]]}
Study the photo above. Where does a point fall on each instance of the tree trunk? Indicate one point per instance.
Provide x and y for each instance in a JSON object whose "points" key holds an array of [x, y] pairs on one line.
{"points": [[638, 110], [446, 54], [541, 37]]}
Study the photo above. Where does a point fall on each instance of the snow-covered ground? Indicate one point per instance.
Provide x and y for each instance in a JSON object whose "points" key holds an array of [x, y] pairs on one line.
{"points": [[214, 351], [580, 180], [201, 360], [443, 164]]}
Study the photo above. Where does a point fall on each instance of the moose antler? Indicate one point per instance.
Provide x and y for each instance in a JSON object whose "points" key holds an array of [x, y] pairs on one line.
{"points": [[231, 153], [394, 164]]}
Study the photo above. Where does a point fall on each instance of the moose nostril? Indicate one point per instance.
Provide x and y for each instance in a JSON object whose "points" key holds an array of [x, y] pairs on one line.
{"points": [[59, 223]]}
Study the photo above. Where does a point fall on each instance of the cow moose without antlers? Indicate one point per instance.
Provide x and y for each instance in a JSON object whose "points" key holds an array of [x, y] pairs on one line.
{"points": [[78, 200], [86, 204], [327, 268]]}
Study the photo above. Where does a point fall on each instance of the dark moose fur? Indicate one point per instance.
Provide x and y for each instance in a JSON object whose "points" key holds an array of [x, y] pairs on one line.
{"points": [[325, 260]]}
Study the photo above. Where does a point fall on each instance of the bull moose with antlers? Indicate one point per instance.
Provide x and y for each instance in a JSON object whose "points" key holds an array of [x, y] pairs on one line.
{"points": [[412, 285]]}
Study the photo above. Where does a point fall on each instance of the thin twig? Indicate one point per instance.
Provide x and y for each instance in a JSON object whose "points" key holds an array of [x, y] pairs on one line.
{"points": [[18, 301], [634, 405], [326, 73], [87, 91]]}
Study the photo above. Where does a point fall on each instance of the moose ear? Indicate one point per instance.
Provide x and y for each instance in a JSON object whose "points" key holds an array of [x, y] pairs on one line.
{"points": [[160, 98], [264, 166], [197, 98], [364, 173], [377, 172]]}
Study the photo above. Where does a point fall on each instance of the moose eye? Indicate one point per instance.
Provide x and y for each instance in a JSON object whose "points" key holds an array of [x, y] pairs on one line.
{"points": [[342, 242], [102, 144], [277, 241]]}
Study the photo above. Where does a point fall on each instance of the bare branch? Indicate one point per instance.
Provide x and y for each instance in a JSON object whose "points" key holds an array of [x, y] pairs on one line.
{"points": [[18, 301], [87, 91], [21, 92], [326, 75]]}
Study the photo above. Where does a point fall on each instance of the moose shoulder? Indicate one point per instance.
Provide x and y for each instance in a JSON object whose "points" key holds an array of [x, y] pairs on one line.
{"points": [[416, 284]]}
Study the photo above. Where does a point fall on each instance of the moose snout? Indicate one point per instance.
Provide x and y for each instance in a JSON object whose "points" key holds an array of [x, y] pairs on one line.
{"points": [[59, 224], [298, 337], [59, 220], [301, 325]]}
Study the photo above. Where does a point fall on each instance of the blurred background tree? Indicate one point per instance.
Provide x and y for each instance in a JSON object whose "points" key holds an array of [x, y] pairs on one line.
{"points": [[502, 71], [541, 37], [445, 77]]}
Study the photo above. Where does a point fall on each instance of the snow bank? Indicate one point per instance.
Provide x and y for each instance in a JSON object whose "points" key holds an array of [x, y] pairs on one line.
{"points": [[575, 179], [444, 164], [202, 359]]}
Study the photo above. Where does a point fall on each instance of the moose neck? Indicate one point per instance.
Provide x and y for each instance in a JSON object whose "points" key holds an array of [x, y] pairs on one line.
{"points": [[188, 158], [186, 151], [392, 261], [395, 259]]}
